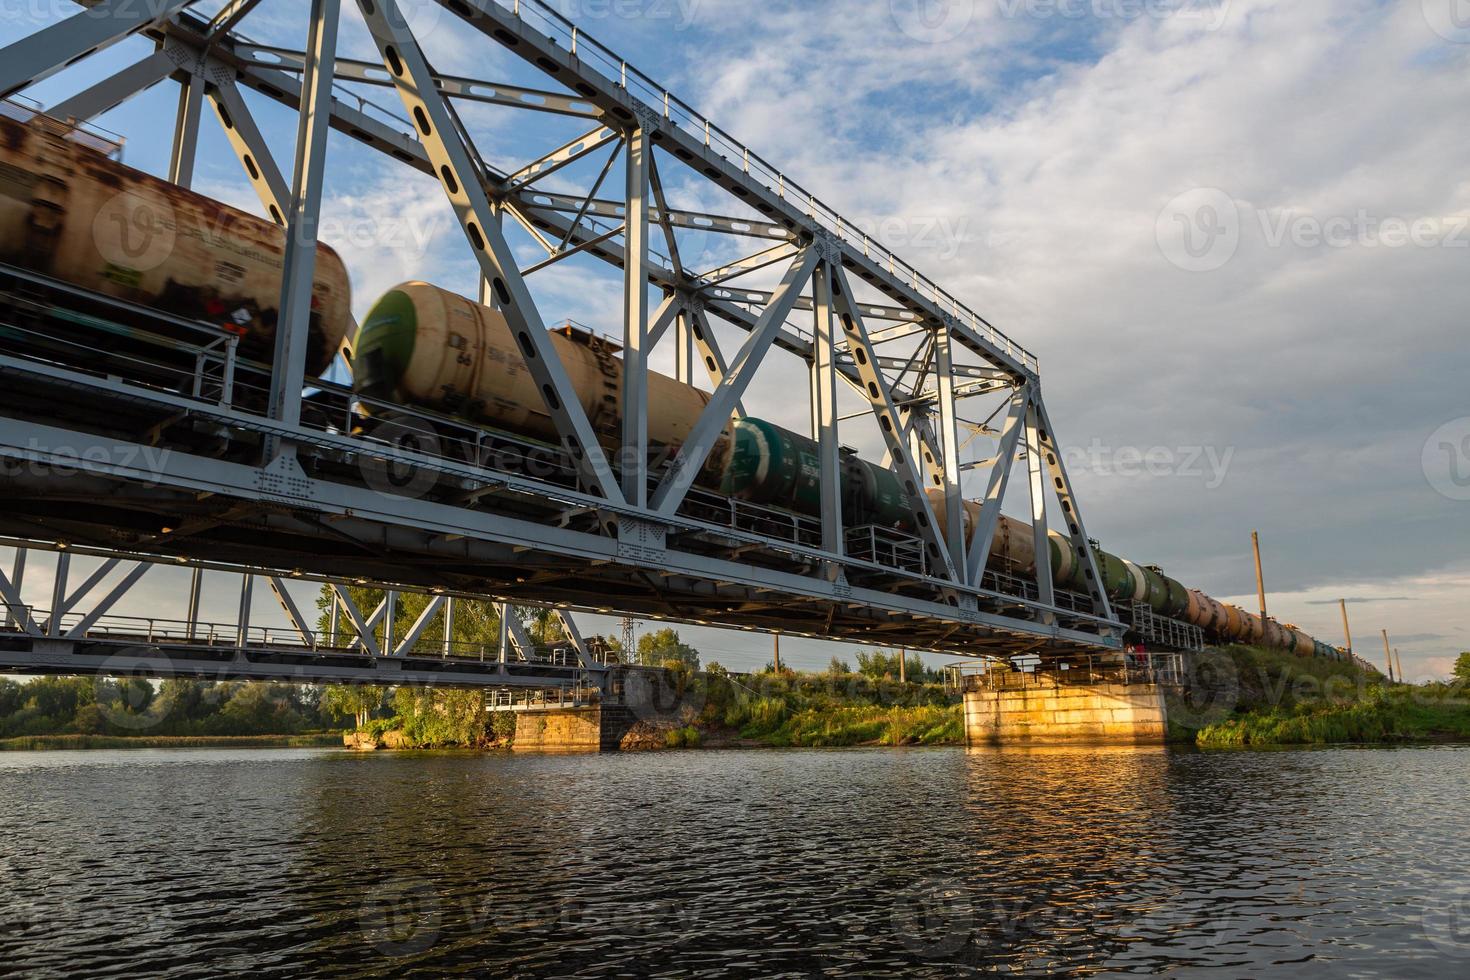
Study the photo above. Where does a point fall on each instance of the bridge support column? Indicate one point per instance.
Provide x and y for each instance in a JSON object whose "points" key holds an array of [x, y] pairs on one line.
{"points": [[1050, 709]]}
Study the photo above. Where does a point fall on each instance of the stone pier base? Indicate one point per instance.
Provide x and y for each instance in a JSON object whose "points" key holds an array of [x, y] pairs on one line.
{"points": [[1040, 709], [585, 728]]}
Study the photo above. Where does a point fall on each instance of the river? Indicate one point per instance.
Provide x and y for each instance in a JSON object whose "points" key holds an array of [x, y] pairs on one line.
{"points": [[865, 862]]}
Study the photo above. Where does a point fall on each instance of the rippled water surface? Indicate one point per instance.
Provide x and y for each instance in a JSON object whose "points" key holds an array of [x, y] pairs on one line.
{"points": [[1353, 862]]}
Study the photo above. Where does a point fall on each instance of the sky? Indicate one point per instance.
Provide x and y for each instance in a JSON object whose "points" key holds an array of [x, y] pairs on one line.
{"points": [[1236, 233]]}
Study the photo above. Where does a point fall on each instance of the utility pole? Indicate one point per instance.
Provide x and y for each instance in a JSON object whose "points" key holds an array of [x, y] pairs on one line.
{"points": [[1398, 662], [1347, 630], [1260, 580], [778, 652], [1389, 654], [903, 666]]}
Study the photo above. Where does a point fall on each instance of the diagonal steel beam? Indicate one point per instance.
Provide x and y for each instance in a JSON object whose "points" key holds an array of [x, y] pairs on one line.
{"points": [[574, 637], [709, 349], [668, 311], [251, 149], [564, 156], [44, 53], [995, 489], [293, 612], [106, 603], [750, 263], [461, 181], [229, 16], [115, 89], [516, 630], [458, 87], [717, 411], [364, 628], [612, 158], [15, 608], [876, 389], [1071, 511], [416, 631]]}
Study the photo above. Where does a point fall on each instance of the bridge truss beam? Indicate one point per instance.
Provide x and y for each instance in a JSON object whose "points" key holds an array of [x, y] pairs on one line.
{"points": [[615, 534]]}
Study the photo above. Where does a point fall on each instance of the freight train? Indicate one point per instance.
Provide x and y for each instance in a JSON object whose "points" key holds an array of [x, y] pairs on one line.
{"points": [[426, 347], [71, 212]]}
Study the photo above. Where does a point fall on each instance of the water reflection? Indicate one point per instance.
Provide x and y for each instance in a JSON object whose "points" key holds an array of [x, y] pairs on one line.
{"points": [[911, 863]]}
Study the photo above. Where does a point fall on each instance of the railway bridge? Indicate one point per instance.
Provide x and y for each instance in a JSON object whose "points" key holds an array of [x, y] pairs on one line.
{"points": [[138, 435]]}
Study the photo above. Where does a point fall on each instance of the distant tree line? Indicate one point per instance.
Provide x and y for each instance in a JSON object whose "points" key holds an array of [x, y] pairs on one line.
{"points": [[133, 706]]}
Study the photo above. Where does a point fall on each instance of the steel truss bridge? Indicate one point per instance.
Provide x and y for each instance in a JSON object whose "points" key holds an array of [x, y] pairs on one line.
{"points": [[201, 458]]}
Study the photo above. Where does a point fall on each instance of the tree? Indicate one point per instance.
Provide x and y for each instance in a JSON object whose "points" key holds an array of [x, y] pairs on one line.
{"points": [[1462, 667], [359, 701], [839, 666], [664, 646], [476, 622]]}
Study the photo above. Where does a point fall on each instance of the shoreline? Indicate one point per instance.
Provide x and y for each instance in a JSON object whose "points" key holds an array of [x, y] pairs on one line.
{"points": [[51, 743]]}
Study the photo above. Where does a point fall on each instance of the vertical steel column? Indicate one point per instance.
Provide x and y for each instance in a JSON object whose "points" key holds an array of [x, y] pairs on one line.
{"points": [[196, 591], [824, 408], [242, 621], [683, 349], [635, 321], [186, 132], [58, 592], [1045, 592], [448, 625], [504, 631], [390, 615], [299, 263], [949, 435]]}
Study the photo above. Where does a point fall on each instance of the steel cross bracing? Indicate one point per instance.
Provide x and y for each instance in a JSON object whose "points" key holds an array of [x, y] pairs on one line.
{"points": [[288, 488], [82, 632]]}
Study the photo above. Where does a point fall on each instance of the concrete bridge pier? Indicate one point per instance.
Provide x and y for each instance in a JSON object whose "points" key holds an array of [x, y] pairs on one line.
{"points": [[1106, 707]]}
